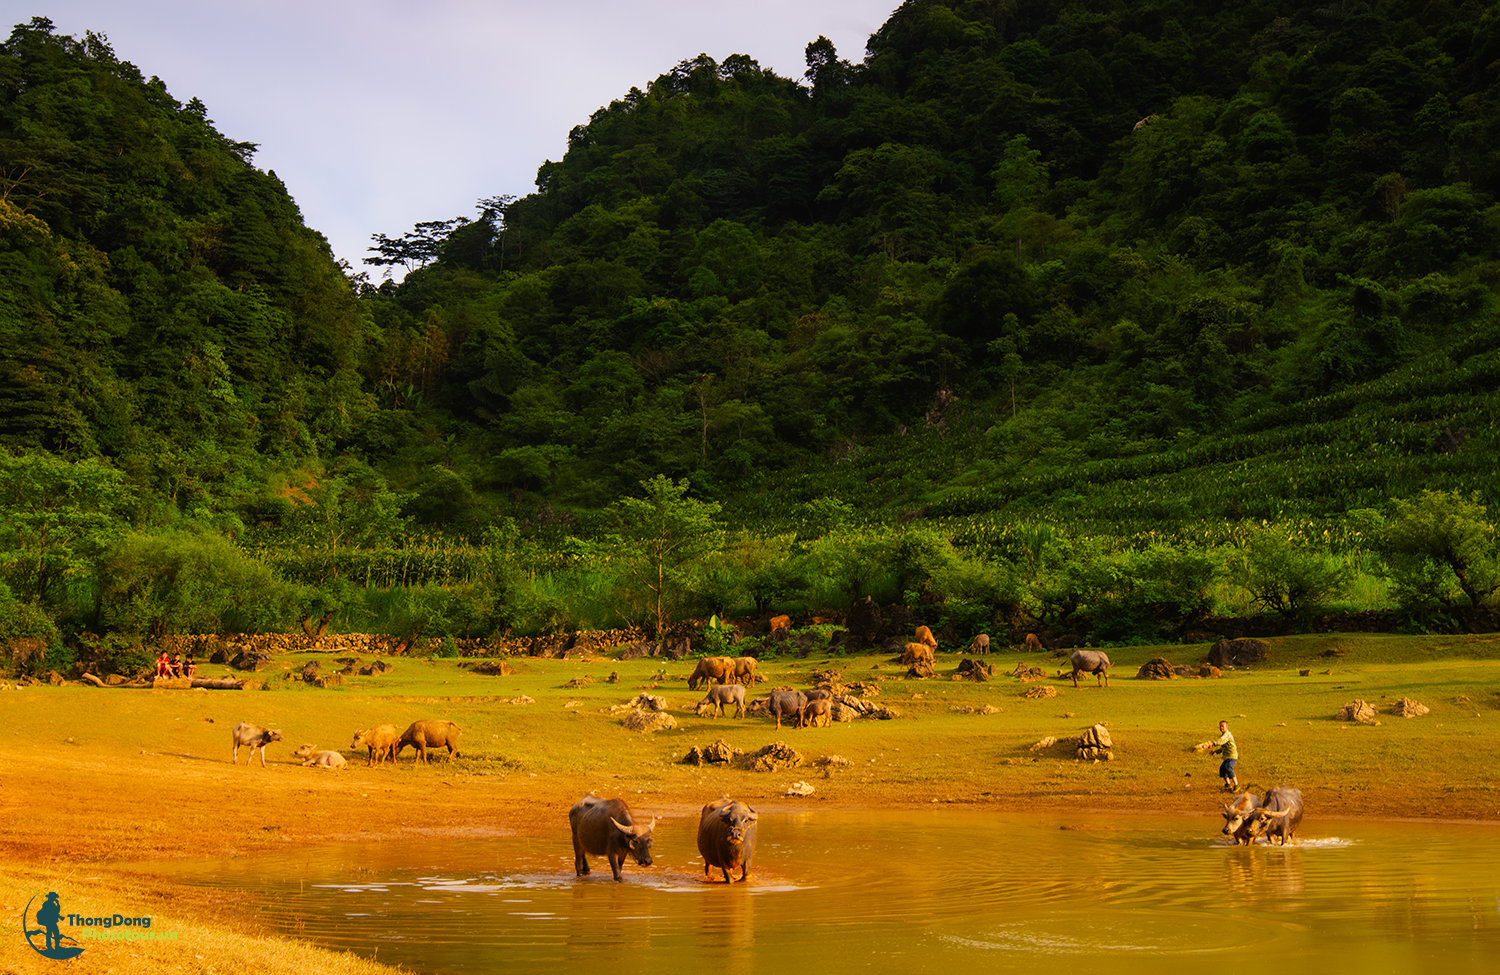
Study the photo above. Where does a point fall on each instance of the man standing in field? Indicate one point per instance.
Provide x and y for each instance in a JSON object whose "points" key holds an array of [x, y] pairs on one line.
{"points": [[1231, 753]]}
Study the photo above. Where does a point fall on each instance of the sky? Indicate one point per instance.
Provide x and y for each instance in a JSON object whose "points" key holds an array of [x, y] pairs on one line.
{"points": [[379, 113]]}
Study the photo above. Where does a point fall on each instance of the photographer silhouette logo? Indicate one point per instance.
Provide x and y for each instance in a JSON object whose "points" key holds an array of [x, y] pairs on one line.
{"points": [[47, 918]]}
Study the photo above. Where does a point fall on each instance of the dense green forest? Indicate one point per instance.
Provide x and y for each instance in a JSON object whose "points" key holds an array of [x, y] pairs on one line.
{"points": [[1096, 316]]}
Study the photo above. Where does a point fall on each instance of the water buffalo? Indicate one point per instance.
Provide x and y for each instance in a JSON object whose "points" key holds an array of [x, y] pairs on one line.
{"points": [[1237, 817], [1279, 815], [1094, 662], [426, 734], [717, 670], [605, 827], [744, 670], [817, 713], [924, 635], [722, 695], [914, 653], [726, 837], [380, 740], [311, 755], [253, 737], [789, 703], [980, 644]]}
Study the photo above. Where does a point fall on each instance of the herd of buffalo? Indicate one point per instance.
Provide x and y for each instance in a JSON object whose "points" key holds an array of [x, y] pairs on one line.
{"points": [[727, 828]]}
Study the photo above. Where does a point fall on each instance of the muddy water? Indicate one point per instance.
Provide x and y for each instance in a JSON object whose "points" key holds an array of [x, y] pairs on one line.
{"points": [[925, 892]]}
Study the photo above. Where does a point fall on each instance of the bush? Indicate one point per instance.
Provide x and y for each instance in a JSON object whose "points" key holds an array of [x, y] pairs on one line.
{"points": [[1287, 576], [183, 582]]}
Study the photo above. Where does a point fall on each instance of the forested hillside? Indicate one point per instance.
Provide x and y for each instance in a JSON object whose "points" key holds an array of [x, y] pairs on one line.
{"points": [[1038, 311]]}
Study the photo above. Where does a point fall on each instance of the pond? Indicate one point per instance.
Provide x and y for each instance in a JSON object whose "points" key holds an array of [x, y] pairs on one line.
{"points": [[911, 891]]}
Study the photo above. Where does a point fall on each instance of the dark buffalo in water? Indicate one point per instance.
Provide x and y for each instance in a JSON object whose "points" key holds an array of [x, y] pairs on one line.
{"points": [[1279, 815], [605, 827], [726, 837], [1094, 662], [1237, 817]]}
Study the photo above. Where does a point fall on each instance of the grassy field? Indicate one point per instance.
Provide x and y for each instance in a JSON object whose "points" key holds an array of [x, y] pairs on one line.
{"points": [[96, 779]]}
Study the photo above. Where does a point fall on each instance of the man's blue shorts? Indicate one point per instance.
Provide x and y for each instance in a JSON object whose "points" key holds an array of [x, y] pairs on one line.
{"points": [[1226, 769]]}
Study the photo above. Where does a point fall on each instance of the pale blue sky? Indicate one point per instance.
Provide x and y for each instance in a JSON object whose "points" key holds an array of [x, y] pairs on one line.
{"points": [[380, 113]]}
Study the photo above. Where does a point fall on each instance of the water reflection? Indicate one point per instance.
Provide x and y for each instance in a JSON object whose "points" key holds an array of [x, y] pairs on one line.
{"points": [[910, 891]]}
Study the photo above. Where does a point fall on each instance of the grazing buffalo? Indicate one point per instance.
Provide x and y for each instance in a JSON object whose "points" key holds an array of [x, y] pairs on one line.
{"points": [[1237, 818], [817, 713], [788, 703], [426, 734], [1094, 662], [716, 670], [605, 827], [380, 740], [1279, 815], [721, 696], [312, 756], [924, 635], [1032, 643], [726, 837], [980, 644], [253, 737], [744, 670], [915, 653]]}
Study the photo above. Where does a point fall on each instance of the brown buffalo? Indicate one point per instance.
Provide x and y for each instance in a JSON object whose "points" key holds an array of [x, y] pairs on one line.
{"points": [[605, 827], [721, 696], [1238, 816], [916, 653], [1032, 643], [716, 670], [924, 635], [426, 734], [380, 740], [817, 713], [726, 837], [744, 670], [980, 644]]}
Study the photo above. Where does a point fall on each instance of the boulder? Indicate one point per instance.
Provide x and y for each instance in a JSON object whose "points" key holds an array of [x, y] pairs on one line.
{"points": [[1041, 691], [490, 668], [647, 722], [1237, 653], [864, 620], [648, 702], [773, 757], [1357, 710], [719, 753], [1095, 743], [1407, 708], [1027, 674], [971, 669], [921, 670], [1157, 668]]}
